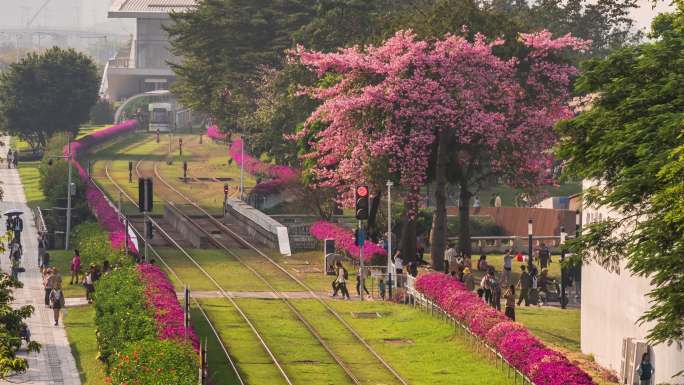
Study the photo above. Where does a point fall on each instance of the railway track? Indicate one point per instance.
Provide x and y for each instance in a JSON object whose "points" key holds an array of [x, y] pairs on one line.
{"points": [[228, 249], [228, 231], [223, 293]]}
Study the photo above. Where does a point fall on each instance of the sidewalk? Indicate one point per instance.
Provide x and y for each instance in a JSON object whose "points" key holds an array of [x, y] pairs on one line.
{"points": [[54, 365]]}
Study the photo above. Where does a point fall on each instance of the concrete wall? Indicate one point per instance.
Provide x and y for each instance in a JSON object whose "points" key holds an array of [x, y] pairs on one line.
{"points": [[256, 224], [190, 232], [152, 44], [611, 305]]}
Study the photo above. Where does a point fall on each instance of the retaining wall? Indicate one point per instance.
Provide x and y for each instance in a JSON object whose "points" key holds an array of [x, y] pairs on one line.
{"points": [[259, 226], [190, 232]]}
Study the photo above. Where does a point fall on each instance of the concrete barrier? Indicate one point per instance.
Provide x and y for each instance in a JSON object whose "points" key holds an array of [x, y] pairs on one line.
{"points": [[190, 232], [259, 226]]}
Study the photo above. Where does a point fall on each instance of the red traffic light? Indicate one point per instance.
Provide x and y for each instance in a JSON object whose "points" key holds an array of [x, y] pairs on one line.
{"points": [[362, 191], [226, 189], [180, 140]]}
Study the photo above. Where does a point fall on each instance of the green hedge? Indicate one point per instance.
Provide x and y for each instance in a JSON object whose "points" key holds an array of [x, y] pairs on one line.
{"points": [[94, 244], [154, 362], [121, 314]]}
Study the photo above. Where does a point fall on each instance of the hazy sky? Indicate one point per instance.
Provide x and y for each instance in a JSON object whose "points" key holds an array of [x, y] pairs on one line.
{"points": [[645, 13]]}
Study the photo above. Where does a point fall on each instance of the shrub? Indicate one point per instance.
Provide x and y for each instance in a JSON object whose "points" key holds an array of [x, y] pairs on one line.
{"points": [[93, 243], [102, 113], [154, 362], [121, 312]]}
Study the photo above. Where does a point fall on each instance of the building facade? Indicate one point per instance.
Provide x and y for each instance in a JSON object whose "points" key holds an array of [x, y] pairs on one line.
{"points": [[143, 66], [612, 303]]}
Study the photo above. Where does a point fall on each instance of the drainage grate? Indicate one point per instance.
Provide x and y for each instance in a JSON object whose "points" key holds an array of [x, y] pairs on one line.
{"points": [[365, 315]]}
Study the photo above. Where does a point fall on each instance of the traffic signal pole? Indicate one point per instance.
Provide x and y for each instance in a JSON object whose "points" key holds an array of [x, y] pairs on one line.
{"points": [[362, 240]]}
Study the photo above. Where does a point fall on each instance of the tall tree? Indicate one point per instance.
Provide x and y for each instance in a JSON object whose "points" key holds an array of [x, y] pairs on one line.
{"points": [[629, 138], [399, 100], [223, 43], [47, 92]]}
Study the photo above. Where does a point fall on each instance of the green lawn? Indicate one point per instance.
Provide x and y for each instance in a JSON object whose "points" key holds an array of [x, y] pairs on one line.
{"points": [[220, 371], [422, 348], [61, 259], [555, 326], [30, 177], [80, 327]]}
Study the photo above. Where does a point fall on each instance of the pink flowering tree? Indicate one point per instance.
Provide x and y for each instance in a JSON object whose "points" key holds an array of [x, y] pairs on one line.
{"points": [[448, 110]]}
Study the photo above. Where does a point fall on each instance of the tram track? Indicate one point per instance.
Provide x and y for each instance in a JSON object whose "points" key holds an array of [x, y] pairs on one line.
{"points": [[223, 293], [230, 232], [224, 229]]}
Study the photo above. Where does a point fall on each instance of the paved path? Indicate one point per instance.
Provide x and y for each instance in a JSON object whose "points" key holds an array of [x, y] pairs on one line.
{"points": [[55, 364]]}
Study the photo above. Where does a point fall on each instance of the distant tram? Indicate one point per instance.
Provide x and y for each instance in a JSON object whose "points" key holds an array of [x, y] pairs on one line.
{"points": [[161, 117]]}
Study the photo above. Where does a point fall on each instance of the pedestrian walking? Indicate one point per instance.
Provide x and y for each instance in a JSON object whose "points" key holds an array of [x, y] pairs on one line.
{"points": [[525, 283], [482, 264], [45, 262], [15, 160], [17, 228], [495, 289], [360, 283], [89, 282], [497, 201], [450, 257], [543, 286], [477, 205], [399, 267], [15, 269], [57, 302], [75, 267], [41, 248], [487, 291], [341, 281], [507, 268], [509, 296], [47, 285], [544, 256], [645, 370], [381, 288], [468, 279]]}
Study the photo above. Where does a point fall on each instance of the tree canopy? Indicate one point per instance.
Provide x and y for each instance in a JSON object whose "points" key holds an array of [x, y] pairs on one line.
{"points": [[629, 139], [47, 92]]}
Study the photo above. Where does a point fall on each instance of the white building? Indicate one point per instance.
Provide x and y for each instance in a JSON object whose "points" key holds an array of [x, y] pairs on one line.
{"points": [[612, 303], [144, 66]]}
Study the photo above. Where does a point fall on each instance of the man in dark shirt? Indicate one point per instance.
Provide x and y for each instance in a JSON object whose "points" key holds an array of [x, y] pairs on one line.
{"points": [[524, 283]]}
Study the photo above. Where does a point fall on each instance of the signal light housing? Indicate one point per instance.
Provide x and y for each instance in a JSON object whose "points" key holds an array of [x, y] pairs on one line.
{"points": [[362, 200]]}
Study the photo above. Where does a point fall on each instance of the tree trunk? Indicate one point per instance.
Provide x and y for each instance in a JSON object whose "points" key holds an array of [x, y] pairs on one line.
{"points": [[439, 217], [408, 238], [373, 217], [464, 220]]}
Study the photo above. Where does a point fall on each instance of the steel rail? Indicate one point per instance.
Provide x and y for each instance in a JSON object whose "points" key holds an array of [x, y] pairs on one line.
{"points": [[223, 293], [246, 243]]}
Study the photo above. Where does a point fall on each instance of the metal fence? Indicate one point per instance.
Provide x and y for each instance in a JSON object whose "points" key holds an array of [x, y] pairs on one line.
{"points": [[417, 299]]}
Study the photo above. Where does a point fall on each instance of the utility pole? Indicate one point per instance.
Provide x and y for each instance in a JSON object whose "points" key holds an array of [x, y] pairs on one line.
{"points": [[389, 238], [529, 249], [563, 299], [69, 192]]}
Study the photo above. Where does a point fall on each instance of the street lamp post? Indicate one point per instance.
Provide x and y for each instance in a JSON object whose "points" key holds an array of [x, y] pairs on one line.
{"points": [[69, 192], [529, 243], [563, 298], [389, 237], [242, 167]]}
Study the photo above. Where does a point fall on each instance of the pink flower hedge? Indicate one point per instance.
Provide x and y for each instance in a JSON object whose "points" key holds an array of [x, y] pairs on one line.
{"points": [[161, 297], [213, 132], [523, 350], [104, 211], [279, 176], [344, 240]]}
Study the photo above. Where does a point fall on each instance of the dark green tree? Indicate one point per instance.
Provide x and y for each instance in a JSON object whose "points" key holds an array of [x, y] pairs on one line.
{"points": [[47, 92], [223, 43], [630, 139], [11, 319]]}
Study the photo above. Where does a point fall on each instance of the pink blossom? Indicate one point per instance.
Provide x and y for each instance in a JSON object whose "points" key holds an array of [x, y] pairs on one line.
{"points": [[344, 240], [516, 344]]}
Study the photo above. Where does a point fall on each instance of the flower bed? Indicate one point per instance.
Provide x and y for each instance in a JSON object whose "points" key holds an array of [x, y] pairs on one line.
{"points": [[161, 296], [516, 344], [106, 213], [344, 240], [279, 175], [214, 133]]}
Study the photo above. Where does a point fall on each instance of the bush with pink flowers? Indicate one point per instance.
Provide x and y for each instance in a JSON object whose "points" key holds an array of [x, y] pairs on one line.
{"points": [[101, 207], [213, 132], [344, 240], [279, 177], [542, 365]]}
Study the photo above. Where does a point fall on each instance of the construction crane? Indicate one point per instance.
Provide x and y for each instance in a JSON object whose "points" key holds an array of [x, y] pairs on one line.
{"points": [[35, 15]]}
